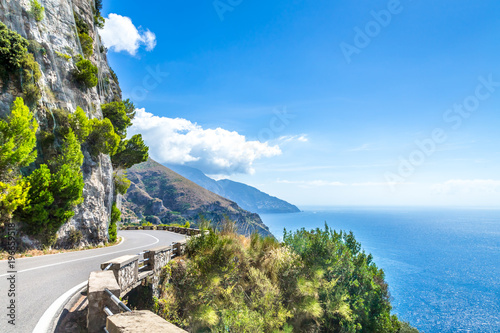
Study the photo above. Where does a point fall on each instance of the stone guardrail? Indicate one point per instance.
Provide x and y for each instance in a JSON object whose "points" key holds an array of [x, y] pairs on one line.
{"points": [[179, 230], [119, 276]]}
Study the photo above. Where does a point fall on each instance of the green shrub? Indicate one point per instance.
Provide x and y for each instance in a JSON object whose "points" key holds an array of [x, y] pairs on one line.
{"points": [[13, 48], [87, 44], [67, 57], [80, 124], [86, 73], [122, 183], [315, 281], [31, 93], [98, 19], [115, 218], [81, 26], [30, 76], [17, 150], [37, 10], [102, 137], [129, 108], [117, 113], [35, 47], [56, 188], [130, 152]]}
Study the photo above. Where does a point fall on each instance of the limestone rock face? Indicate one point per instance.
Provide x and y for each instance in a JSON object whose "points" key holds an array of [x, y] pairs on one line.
{"points": [[56, 35]]}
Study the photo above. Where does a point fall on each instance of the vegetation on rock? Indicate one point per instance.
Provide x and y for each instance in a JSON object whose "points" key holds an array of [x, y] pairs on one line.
{"points": [[115, 217], [122, 183], [13, 48], [117, 113], [17, 143], [314, 281], [130, 152], [14, 57], [56, 188], [37, 10], [86, 73]]}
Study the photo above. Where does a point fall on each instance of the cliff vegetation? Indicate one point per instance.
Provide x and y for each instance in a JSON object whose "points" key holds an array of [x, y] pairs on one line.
{"points": [[313, 281]]}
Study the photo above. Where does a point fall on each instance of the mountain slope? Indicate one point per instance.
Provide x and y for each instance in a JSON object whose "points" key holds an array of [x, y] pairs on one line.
{"points": [[247, 197], [160, 194]]}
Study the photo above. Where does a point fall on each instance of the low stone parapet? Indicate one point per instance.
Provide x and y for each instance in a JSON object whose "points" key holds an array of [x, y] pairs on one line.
{"points": [[179, 248], [98, 299], [140, 321], [125, 270], [158, 257]]}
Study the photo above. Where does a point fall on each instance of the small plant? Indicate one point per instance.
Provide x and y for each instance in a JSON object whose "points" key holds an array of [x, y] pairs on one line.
{"points": [[35, 47], [87, 44], [86, 73], [75, 236], [115, 217], [32, 93], [63, 55], [30, 76], [122, 183], [37, 10]]}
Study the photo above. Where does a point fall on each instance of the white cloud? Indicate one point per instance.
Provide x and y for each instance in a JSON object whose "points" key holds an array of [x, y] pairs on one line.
{"points": [[290, 138], [120, 34], [214, 151], [461, 186]]}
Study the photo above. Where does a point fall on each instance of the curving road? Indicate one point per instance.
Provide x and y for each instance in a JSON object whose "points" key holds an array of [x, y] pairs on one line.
{"points": [[42, 280]]}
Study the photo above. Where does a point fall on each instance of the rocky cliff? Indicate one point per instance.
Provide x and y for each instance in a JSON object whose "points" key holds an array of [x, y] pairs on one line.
{"points": [[55, 40]]}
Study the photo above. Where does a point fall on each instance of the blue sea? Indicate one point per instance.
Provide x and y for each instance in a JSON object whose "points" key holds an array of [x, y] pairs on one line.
{"points": [[442, 265]]}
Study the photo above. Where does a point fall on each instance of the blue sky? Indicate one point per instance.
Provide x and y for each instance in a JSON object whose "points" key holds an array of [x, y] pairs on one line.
{"points": [[267, 95]]}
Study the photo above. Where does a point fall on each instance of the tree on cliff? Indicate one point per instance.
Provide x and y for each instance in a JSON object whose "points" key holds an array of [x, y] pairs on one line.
{"points": [[17, 143], [56, 189]]}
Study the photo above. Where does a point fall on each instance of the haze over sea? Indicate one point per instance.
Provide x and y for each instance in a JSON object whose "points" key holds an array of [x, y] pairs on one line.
{"points": [[442, 265]]}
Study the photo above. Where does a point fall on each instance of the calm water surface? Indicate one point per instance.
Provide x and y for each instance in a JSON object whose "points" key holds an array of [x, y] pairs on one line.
{"points": [[442, 265]]}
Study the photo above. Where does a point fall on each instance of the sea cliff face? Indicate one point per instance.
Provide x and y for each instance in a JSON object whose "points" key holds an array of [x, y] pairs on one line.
{"points": [[56, 35]]}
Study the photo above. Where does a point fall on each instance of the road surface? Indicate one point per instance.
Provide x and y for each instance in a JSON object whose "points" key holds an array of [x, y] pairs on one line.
{"points": [[41, 280]]}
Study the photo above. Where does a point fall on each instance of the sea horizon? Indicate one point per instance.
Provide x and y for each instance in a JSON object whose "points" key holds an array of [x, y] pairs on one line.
{"points": [[440, 263]]}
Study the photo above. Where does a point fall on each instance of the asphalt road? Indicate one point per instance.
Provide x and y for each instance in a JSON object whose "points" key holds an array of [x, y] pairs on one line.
{"points": [[41, 280]]}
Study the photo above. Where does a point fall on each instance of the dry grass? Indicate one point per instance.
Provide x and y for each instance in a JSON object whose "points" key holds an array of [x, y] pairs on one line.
{"points": [[35, 253]]}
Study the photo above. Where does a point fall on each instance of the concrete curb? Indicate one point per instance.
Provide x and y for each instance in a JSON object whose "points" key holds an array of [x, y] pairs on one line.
{"points": [[51, 316]]}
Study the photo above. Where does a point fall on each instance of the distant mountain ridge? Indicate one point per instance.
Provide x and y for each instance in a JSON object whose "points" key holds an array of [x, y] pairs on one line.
{"points": [[162, 196], [247, 197]]}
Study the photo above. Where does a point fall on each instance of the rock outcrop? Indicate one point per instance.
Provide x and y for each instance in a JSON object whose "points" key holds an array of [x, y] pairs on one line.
{"points": [[58, 39]]}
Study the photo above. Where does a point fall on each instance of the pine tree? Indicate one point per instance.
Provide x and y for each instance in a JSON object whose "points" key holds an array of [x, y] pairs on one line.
{"points": [[17, 143]]}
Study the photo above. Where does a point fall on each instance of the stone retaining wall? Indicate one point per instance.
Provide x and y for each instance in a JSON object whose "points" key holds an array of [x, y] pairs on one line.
{"points": [[122, 276]]}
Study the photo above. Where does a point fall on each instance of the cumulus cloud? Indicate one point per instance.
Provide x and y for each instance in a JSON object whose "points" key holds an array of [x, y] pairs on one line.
{"points": [[214, 151], [464, 186], [120, 34]]}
